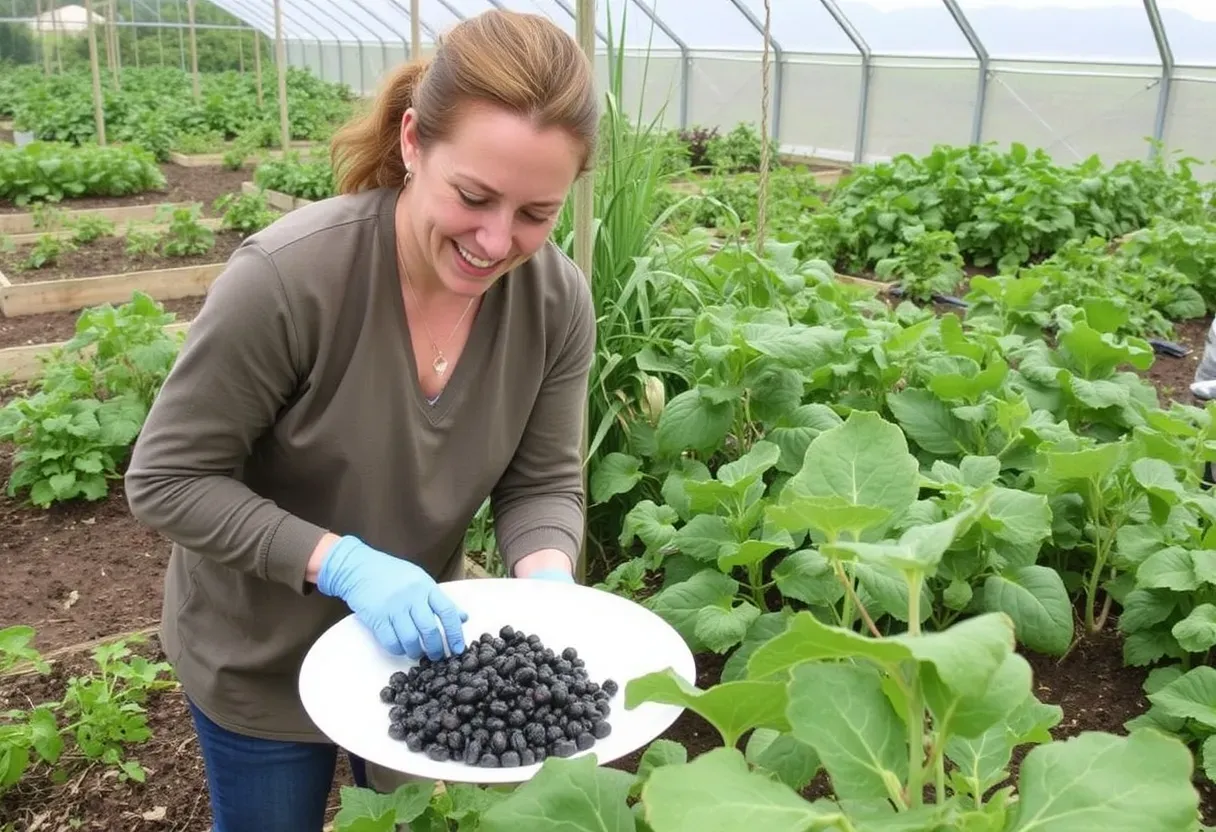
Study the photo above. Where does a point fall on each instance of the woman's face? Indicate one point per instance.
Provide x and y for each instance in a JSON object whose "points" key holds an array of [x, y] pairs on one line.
{"points": [[485, 200]]}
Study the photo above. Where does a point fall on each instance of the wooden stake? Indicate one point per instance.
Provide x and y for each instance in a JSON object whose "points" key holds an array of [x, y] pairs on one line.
{"points": [[415, 32], [584, 243], [42, 39], [257, 63], [105, 32], [193, 49], [114, 37], [98, 112], [280, 53]]}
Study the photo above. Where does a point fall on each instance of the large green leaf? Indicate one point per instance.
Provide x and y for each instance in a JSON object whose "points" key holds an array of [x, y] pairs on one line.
{"points": [[1037, 601], [840, 710], [1137, 783], [733, 708], [566, 795], [717, 792], [863, 462]]}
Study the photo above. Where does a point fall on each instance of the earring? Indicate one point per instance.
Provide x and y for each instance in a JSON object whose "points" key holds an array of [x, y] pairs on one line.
{"points": [[409, 173]]}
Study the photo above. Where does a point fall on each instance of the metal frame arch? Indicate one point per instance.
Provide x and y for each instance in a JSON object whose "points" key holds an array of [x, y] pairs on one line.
{"points": [[685, 56], [985, 59], [254, 11], [867, 68], [778, 64], [339, 42], [1167, 71]]}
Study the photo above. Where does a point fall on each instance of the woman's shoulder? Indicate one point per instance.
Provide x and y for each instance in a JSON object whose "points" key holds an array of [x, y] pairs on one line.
{"points": [[552, 279], [324, 225]]}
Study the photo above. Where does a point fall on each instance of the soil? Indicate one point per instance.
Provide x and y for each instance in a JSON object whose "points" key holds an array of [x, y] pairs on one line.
{"points": [[60, 326], [106, 255], [78, 571], [1173, 376], [201, 184], [172, 799]]}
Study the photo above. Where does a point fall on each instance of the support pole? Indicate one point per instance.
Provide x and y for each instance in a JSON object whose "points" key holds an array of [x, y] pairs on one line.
{"points": [[1167, 72], [280, 52], [257, 63], [981, 53], [42, 38], [584, 236], [867, 59], [415, 31], [193, 51], [765, 97], [98, 112]]}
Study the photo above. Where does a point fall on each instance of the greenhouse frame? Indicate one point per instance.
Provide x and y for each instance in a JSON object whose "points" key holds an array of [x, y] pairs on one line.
{"points": [[850, 80]]}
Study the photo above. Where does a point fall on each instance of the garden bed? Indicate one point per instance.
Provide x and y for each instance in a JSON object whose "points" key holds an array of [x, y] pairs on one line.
{"points": [[202, 184], [276, 199], [51, 327], [101, 272], [96, 550], [196, 160], [106, 256]]}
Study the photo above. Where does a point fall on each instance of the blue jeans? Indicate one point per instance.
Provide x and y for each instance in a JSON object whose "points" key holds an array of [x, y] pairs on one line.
{"points": [[260, 785]]}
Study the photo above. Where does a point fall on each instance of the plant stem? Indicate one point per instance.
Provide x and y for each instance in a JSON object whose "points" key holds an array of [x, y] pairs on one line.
{"points": [[755, 577], [1102, 552], [916, 705], [851, 599]]}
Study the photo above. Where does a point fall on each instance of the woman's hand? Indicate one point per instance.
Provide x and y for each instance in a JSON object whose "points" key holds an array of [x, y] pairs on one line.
{"points": [[397, 600], [546, 565]]}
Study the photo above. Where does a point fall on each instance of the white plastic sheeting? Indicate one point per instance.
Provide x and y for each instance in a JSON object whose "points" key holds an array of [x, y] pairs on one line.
{"points": [[851, 79]]}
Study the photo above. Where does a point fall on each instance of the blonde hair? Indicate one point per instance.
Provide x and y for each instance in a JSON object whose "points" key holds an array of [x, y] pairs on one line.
{"points": [[520, 62]]}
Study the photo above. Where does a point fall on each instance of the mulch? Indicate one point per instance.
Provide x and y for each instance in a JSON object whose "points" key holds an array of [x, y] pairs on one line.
{"points": [[200, 184]]}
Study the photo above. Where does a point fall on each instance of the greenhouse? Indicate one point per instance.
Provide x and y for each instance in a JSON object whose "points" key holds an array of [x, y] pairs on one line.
{"points": [[859, 479]]}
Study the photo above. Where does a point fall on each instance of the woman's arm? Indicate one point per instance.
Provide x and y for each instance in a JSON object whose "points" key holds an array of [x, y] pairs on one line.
{"points": [[538, 502], [239, 366]]}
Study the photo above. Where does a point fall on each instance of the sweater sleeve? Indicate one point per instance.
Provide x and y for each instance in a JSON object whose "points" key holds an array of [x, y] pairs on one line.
{"points": [[539, 502], [236, 371]]}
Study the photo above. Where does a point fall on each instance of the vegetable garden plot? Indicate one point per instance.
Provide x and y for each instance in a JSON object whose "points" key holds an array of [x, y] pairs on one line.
{"points": [[53, 327], [183, 185], [54, 259]]}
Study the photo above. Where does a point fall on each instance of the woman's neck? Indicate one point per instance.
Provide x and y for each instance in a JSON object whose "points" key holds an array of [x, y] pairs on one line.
{"points": [[410, 257]]}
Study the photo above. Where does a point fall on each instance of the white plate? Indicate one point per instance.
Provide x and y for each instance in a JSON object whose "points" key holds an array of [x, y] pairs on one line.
{"points": [[342, 675]]}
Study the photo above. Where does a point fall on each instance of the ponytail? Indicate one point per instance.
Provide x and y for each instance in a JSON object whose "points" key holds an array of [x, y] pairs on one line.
{"points": [[366, 152]]}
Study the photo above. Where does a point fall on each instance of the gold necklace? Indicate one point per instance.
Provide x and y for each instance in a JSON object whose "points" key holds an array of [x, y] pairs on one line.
{"points": [[440, 364]]}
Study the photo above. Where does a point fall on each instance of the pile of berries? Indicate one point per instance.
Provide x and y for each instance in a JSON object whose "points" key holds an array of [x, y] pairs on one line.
{"points": [[507, 700]]}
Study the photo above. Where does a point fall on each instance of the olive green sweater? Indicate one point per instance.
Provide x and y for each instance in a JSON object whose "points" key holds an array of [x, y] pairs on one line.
{"points": [[294, 408]]}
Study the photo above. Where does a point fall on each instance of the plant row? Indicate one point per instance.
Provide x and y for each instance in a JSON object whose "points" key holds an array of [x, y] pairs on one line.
{"points": [[182, 233], [100, 714], [54, 171], [154, 107]]}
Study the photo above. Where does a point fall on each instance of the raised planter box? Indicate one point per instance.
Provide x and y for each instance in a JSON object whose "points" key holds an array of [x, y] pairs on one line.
{"points": [[24, 223], [200, 160], [276, 199], [214, 223], [25, 363], [75, 293]]}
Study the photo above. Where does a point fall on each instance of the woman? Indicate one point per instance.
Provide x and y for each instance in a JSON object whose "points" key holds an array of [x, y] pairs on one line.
{"points": [[363, 374]]}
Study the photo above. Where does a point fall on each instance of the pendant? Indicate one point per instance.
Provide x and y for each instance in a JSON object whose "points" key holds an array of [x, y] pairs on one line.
{"points": [[440, 364]]}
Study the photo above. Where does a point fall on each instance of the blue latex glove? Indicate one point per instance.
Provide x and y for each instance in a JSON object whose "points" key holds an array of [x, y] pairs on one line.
{"points": [[397, 600], [552, 574]]}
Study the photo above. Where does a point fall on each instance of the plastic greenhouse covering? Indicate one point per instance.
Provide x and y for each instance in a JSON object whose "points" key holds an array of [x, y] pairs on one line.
{"points": [[850, 80]]}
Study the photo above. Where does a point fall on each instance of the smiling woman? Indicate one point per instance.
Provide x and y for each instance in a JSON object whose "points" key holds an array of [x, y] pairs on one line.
{"points": [[363, 374]]}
